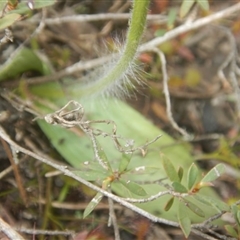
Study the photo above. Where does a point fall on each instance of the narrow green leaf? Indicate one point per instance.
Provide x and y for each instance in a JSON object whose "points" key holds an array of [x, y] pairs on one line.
{"points": [[214, 173], [184, 220], [235, 210], [231, 231], [24, 60], [94, 202], [124, 162], [169, 169], [216, 203], [194, 208], [23, 8], [91, 171], [171, 18], [8, 20], [169, 204], [193, 174], [91, 175], [204, 4], [133, 187], [102, 155], [178, 187], [185, 7], [238, 217], [180, 173]]}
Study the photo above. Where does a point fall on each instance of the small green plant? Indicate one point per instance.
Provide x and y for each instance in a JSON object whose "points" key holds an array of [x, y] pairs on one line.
{"points": [[102, 172], [170, 176]]}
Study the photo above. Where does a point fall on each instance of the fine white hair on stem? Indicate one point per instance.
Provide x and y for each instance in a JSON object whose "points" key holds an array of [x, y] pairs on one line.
{"points": [[167, 95], [80, 66], [120, 88]]}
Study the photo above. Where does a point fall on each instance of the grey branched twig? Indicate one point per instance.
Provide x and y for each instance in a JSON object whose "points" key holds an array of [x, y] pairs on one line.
{"points": [[71, 118]]}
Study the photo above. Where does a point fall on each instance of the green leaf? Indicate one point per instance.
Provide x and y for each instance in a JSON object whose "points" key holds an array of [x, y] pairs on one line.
{"points": [[77, 149], [171, 18], [94, 202], [169, 169], [8, 20], [216, 203], [185, 7], [91, 171], [102, 155], [193, 174], [194, 208], [183, 219], [169, 204], [178, 187], [214, 173], [25, 60], [23, 8], [204, 4], [124, 162], [238, 217], [91, 175], [180, 173], [235, 210], [231, 231], [133, 187]]}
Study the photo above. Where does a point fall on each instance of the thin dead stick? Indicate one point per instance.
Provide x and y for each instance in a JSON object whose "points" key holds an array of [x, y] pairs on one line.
{"points": [[167, 95], [189, 27], [112, 219], [36, 32], [203, 235], [44, 232], [5, 172], [9, 231], [98, 17], [64, 169], [17, 175], [80, 66]]}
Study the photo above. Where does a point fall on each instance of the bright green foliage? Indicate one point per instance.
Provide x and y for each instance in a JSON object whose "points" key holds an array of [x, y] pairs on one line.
{"points": [[169, 204], [133, 187], [8, 20], [19, 9], [124, 162], [178, 187], [204, 4], [23, 61], [187, 4], [193, 175], [125, 171], [94, 202], [194, 208], [23, 8], [183, 219], [231, 231], [169, 169], [214, 173], [101, 153], [185, 7], [180, 173], [214, 202]]}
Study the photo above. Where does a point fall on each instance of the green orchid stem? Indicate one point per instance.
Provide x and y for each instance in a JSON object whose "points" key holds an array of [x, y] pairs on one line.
{"points": [[136, 28]]}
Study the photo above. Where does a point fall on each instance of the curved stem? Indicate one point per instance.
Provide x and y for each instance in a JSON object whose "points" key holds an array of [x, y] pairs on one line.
{"points": [[136, 28]]}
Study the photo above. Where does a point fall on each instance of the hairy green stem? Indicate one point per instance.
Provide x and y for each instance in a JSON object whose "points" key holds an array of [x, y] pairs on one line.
{"points": [[135, 31]]}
